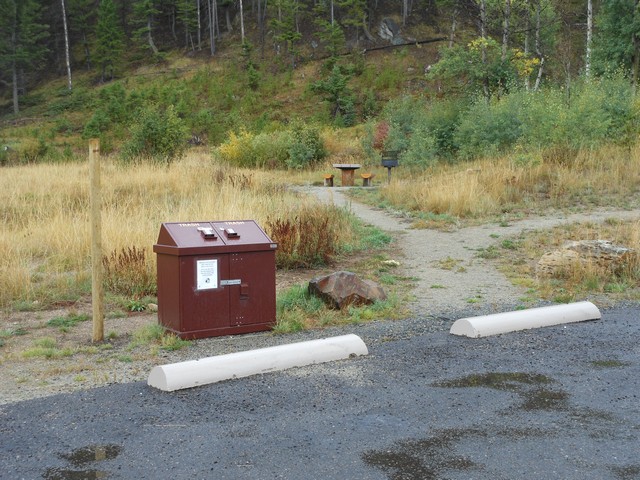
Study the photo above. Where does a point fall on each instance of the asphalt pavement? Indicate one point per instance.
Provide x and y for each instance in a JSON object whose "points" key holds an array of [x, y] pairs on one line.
{"points": [[553, 403]]}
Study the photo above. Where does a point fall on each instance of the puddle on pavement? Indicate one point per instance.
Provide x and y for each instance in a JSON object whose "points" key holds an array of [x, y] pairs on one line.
{"points": [[532, 387], [66, 474], [609, 364], [509, 381], [431, 458], [423, 459], [81, 457], [630, 472]]}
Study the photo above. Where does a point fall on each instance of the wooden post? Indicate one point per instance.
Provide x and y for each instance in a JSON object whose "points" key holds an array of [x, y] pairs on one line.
{"points": [[97, 293]]}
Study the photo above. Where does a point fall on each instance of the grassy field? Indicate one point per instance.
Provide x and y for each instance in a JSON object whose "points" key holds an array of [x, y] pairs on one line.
{"points": [[45, 239], [518, 184]]}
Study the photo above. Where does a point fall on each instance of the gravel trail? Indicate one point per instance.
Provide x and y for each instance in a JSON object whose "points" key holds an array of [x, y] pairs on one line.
{"points": [[467, 280]]}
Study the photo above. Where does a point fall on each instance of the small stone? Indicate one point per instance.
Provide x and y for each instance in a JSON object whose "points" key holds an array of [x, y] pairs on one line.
{"points": [[152, 307]]}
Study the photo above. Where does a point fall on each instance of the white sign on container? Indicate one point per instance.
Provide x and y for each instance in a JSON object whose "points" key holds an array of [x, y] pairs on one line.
{"points": [[206, 274]]}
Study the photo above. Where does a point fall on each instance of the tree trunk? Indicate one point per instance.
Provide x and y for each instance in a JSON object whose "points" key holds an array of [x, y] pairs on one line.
{"points": [[14, 76], [454, 25], [635, 63], [199, 26], [587, 60], [227, 17], [538, 47], [505, 32], [405, 12], [216, 20], [483, 35], [539, 77], [212, 41], [152, 45], [87, 52], [66, 44], [527, 34], [14, 67], [241, 22]]}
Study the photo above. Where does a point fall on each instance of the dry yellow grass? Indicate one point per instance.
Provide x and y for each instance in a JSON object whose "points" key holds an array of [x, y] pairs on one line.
{"points": [[497, 186], [44, 209]]}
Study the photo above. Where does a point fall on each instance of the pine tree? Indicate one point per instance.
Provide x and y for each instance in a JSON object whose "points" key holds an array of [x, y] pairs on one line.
{"points": [[617, 42], [82, 17], [330, 32], [21, 42], [285, 26], [109, 40], [186, 11], [145, 11]]}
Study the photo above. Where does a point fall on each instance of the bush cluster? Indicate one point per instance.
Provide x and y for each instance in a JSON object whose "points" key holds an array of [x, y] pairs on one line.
{"points": [[159, 135], [295, 148], [594, 113]]}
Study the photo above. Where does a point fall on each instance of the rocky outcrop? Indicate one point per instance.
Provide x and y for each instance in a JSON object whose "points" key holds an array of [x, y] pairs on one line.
{"points": [[600, 253]]}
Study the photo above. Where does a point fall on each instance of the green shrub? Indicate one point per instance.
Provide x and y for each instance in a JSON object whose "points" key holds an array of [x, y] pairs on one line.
{"points": [[159, 135], [97, 124], [442, 120], [488, 128], [306, 147], [420, 150]]}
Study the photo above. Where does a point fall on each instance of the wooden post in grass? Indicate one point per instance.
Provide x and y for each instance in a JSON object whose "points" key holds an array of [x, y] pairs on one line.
{"points": [[97, 292]]}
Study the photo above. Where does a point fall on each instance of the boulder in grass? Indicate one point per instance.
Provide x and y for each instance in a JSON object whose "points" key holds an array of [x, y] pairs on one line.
{"points": [[342, 289]]}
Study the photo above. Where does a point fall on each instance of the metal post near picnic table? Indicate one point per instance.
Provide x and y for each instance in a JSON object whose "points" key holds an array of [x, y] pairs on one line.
{"points": [[389, 161]]}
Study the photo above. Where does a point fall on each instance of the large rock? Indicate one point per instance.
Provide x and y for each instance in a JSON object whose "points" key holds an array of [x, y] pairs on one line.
{"points": [[341, 289], [600, 253], [389, 30]]}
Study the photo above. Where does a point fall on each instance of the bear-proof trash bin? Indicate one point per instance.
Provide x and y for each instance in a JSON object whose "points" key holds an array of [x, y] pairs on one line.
{"points": [[215, 278]]}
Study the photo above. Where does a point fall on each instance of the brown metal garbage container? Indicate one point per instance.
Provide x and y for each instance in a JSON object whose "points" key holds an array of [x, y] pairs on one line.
{"points": [[215, 278]]}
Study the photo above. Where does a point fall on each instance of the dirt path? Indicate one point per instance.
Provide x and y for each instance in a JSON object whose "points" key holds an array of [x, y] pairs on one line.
{"points": [[449, 275]]}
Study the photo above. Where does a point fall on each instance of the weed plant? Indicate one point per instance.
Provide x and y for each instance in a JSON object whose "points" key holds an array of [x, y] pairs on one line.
{"points": [[128, 273]]}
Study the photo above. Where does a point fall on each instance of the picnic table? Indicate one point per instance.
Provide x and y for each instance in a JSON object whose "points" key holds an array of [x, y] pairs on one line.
{"points": [[347, 170]]}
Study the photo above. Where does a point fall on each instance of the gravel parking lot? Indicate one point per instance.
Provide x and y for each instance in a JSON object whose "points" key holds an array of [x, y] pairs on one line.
{"points": [[559, 402]]}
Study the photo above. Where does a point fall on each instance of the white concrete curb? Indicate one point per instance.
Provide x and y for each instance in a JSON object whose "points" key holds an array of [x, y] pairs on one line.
{"points": [[486, 325], [176, 376]]}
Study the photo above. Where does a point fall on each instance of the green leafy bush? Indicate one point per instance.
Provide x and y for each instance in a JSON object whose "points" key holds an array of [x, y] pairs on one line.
{"points": [[159, 135], [306, 147], [298, 147], [488, 128]]}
